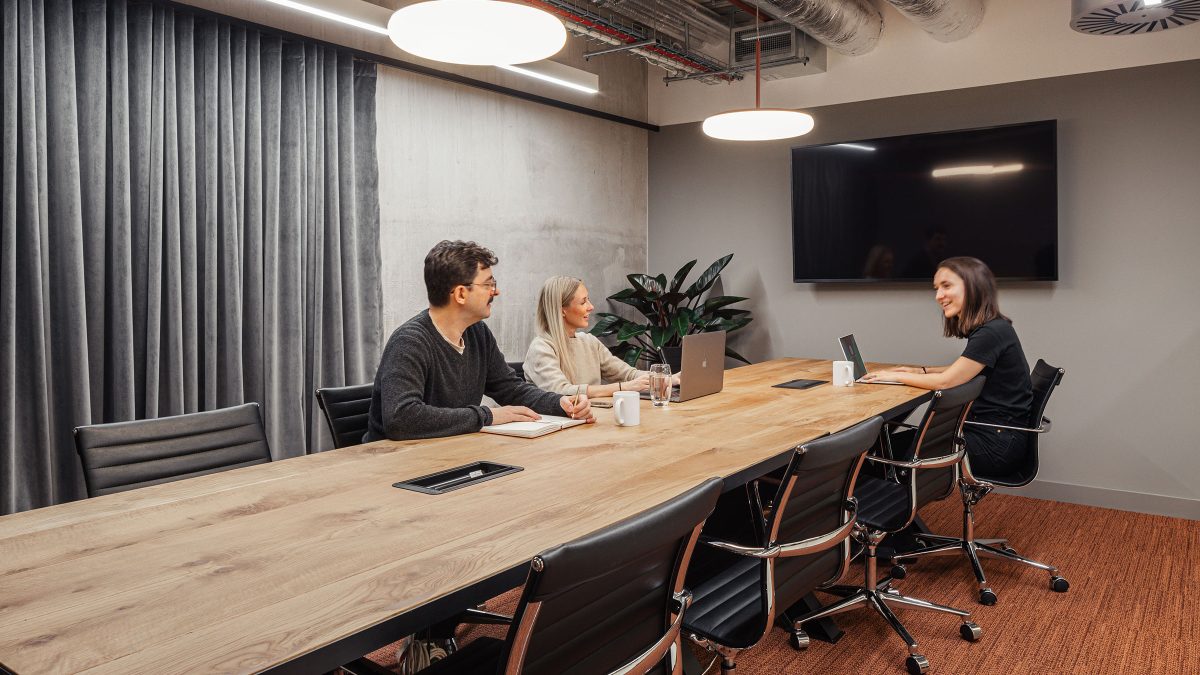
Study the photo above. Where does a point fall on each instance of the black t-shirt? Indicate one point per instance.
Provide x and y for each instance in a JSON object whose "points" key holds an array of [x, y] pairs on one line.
{"points": [[1008, 392]]}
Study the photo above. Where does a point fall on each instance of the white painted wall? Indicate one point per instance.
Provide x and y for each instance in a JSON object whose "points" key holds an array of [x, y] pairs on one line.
{"points": [[1017, 40], [550, 191], [1122, 320]]}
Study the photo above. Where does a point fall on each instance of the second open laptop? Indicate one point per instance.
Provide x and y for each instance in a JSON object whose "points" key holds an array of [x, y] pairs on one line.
{"points": [[850, 353], [703, 365]]}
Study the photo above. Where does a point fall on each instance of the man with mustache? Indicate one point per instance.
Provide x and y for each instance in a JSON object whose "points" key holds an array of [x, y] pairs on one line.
{"points": [[437, 367]]}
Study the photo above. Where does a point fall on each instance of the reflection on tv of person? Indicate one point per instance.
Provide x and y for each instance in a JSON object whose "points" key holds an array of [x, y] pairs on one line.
{"points": [[925, 262], [881, 262]]}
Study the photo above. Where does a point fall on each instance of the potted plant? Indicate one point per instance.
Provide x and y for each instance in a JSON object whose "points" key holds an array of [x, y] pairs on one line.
{"points": [[671, 312]]}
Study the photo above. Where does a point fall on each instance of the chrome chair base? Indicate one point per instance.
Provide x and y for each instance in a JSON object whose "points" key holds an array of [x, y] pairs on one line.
{"points": [[881, 597], [973, 548]]}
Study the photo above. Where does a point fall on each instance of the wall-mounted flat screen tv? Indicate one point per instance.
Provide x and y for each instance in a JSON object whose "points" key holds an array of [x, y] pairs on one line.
{"points": [[890, 209]]}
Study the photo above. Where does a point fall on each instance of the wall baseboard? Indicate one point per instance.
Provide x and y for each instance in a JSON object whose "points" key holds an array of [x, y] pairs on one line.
{"points": [[1178, 507]]}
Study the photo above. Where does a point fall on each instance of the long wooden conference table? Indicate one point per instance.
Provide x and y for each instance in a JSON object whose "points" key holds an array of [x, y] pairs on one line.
{"points": [[303, 564]]}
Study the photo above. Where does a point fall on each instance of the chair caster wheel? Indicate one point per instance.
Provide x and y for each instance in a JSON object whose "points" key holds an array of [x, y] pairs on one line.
{"points": [[799, 640], [970, 631], [987, 597], [916, 664], [1059, 584], [898, 571], [1008, 549]]}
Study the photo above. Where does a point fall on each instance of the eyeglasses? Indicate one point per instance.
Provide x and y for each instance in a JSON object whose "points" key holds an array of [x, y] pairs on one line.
{"points": [[492, 285]]}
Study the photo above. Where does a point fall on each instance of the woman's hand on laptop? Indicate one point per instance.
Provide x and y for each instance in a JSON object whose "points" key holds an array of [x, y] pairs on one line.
{"points": [[885, 375]]}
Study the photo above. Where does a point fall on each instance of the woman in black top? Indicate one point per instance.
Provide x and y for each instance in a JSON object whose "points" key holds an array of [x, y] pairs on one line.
{"points": [[966, 292]]}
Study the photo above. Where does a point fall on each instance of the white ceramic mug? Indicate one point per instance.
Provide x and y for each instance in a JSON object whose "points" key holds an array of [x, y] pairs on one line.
{"points": [[627, 408], [843, 373]]}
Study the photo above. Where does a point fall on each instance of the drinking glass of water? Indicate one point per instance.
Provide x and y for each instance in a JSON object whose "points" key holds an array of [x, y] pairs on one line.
{"points": [[660, 385]]}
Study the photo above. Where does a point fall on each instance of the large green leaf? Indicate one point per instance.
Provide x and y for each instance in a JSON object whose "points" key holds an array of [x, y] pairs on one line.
{"points": [[677, 282], [713, 304], [728, 313], [683, 321], [735, 324], [646, 284], [708, 277], [663, 337], [629, 331], [631, 356], [607, 324], [622, 294], [640, 303], [673, 299]]}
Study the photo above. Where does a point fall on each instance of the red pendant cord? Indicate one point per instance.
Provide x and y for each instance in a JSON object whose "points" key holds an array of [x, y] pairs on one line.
{"points": [[757, 76]]}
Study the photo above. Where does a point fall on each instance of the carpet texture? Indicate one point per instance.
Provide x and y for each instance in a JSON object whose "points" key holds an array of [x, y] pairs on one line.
{"points": [[1133, 606]]}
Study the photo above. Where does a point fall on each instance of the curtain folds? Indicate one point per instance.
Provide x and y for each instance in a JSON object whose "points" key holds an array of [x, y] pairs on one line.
{"points": [[188, 220]]}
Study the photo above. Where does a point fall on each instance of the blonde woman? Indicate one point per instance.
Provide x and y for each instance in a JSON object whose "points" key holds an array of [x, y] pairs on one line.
{"points": [[567, 361]]}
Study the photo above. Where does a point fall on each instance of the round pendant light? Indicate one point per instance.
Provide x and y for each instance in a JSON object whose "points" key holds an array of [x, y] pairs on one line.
{"points": [[758, 123], [477, 32]]}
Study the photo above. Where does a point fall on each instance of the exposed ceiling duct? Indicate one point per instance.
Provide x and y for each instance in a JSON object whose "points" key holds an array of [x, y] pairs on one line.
{"points": [[851, 27], [946, 20]]}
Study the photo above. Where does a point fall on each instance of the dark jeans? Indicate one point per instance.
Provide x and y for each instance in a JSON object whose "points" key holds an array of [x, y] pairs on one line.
{"points": [[995, 452], [992, 452]]}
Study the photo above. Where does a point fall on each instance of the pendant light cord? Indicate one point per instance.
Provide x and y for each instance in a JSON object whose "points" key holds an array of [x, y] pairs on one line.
{"points": [[757, 57]]}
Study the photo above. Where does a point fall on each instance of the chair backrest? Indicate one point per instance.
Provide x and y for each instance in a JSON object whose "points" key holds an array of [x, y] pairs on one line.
{"points": [[597, 603], [128, 455], [938, 435], [1045, 378], [811, 501], [346, 410]]}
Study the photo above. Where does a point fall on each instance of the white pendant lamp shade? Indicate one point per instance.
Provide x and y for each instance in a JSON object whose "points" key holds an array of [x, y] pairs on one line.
{"points": [[758, 124], [477, 32]]}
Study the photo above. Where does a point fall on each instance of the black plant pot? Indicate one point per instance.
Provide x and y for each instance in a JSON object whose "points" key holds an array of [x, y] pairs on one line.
{"points": [[674, 357]]}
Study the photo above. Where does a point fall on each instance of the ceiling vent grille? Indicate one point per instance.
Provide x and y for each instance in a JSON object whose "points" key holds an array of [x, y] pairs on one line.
{"points": [[780, 42], [1133, 17]]}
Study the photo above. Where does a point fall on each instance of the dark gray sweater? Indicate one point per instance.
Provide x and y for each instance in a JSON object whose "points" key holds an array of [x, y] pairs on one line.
{"points": [[425, 389]]}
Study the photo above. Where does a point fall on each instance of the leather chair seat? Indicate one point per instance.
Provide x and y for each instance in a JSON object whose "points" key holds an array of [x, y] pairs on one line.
{"points": [[882, 504], [728, 606]]}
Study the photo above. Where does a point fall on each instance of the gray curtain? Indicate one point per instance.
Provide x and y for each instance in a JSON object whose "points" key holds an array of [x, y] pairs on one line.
{"points": [[190, 220]]}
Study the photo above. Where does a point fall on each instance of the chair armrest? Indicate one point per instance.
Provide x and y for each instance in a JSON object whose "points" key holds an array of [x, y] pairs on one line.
{"points": [[803, 547], [927, 463], [1043, 428], [646, 660], [906, 425]]}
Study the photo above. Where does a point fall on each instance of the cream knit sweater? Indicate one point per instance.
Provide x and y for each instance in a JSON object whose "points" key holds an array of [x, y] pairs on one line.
{"points": [[593, 363]]}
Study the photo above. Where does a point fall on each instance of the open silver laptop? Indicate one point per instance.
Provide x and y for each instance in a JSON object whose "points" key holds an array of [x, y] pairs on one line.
{"points": [[702, 366], [850, 353]]}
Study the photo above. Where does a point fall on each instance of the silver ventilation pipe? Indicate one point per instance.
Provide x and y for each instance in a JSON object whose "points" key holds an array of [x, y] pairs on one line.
{"points": [[850, 27], [946, 20]]}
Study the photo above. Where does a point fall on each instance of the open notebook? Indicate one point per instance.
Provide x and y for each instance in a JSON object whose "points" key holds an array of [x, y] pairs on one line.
{"points": [[548, 424]]}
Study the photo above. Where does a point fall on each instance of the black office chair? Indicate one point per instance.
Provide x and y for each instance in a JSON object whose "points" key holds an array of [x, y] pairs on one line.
{"points": [[974, 487], [888, 505], [803, 543], [519, 367], [609, 602], [346, 410], [127, 455]]}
